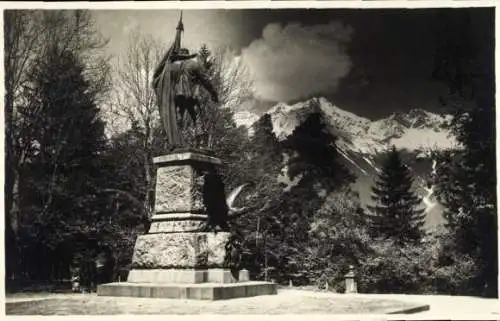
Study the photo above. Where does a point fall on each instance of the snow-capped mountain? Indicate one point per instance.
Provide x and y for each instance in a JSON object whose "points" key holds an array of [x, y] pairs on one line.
{"points": [[245, 118], [417, 129], [363, 142]]}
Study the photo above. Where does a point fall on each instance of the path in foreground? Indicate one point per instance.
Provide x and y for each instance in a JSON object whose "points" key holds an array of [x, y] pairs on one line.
{"points": [[286, 302]]}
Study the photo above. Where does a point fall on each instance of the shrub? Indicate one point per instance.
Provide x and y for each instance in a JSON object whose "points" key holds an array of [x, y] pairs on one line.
{"points": [[433, 266], [393, 269]]}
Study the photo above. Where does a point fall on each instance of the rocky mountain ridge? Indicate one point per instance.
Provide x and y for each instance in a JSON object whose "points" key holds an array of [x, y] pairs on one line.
{"points": [[363, 142]]}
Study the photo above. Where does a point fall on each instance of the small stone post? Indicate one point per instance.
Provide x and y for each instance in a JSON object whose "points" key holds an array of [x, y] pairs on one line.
{"points": [[350, 281]]}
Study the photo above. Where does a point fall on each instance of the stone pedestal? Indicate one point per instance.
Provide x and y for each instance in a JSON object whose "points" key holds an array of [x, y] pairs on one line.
{"points": [[180, 250], [182, 256]]}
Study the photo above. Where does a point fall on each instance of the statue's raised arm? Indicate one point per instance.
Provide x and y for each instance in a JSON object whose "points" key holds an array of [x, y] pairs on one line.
{"points": [[202, 79]]}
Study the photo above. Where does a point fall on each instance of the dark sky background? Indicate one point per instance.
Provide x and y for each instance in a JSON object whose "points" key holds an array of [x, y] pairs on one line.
{"points": [[392, 52], [368, 61]]}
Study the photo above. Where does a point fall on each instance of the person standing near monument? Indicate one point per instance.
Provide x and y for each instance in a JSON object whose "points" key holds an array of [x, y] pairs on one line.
{"points": [[174, 82]]}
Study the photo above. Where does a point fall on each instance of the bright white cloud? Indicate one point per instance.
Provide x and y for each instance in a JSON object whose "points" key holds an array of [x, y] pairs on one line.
{"points": [[295, 61]]}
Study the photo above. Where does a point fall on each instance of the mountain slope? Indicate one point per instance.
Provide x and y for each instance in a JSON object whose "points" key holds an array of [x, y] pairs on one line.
{"points": [[363, 143]]}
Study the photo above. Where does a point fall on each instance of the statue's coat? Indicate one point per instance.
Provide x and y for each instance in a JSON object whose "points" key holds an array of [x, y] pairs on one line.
{"points": [[173, 79]]}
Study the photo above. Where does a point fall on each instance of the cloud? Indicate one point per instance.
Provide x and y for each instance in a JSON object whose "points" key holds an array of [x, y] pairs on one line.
{"points": [[297, 61]]}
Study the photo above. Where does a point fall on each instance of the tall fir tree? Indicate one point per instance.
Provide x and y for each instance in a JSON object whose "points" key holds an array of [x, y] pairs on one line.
{"points": [[63, 209], [314, 163], [261, 228], [317, 158], [264, 146], [395, 213], [204, 55], [466, 178], [215, 128]]}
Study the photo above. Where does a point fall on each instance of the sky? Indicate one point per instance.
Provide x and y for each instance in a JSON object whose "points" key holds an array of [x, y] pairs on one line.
{"points": [[371, 62]]}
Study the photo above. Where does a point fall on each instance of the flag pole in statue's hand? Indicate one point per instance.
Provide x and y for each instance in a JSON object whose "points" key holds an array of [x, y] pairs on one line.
{"points": [[172, 50]]}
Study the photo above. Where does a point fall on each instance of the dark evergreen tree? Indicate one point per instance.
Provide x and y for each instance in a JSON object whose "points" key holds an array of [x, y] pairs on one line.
{"points": [[264, 146], [215, 129], [204, 55], [395, 213], [317, 159], [63, 211], [466, 178], [314, 161], [261, 227], [126, 188]]}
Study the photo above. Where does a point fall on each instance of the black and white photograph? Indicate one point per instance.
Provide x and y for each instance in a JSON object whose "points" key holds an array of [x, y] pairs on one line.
{"points": [[197, 160]]}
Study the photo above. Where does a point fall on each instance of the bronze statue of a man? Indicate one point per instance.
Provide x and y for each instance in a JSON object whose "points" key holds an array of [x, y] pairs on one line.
{"points": [[174, 82]]}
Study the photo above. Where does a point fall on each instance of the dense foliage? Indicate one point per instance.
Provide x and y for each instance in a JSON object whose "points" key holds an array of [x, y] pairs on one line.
{"points": [[466, 179], [76, 197]]}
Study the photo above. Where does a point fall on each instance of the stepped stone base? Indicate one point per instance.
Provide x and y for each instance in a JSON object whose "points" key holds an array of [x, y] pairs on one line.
{"points": [[183, 255], [203, 291], [187, 276]]}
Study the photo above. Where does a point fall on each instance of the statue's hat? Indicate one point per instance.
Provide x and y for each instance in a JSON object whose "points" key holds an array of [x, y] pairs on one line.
{"points": [[183, 54]]}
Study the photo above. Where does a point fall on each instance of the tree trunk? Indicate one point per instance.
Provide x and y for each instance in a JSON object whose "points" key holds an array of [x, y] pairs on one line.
{"points": [[149, 189], [147, 176], [11, 191]]}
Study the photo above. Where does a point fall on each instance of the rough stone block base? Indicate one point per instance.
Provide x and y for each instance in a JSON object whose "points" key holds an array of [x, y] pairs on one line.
{"points": [[180, 250], [204, 291]]}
